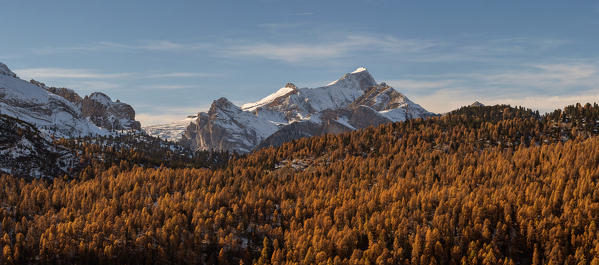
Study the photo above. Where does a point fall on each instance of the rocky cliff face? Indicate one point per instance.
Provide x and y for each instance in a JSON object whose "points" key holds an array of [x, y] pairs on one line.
{"points": [[227, 127], [61, 111], [99, 108], [352, 102], [108, 114]]}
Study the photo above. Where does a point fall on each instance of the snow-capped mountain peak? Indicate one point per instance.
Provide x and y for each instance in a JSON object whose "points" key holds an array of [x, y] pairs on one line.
{"points": [[359, 69], [360, 78]]}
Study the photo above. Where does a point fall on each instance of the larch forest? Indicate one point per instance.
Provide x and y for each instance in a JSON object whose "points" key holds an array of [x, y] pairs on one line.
{"points": [[479, 185]]}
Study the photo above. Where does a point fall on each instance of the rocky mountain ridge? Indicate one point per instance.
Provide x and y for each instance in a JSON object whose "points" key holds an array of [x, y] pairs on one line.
{"points": [[61, 111]]}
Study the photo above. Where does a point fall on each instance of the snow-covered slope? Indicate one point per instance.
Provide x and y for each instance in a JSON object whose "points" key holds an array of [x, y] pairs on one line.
{"points": [[289, 88], [47, 111], [170, 131], [61, 112], [352, 102]]}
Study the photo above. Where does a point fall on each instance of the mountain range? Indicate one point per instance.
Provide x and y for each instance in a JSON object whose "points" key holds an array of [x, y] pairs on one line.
{"points": [[352, 102]]}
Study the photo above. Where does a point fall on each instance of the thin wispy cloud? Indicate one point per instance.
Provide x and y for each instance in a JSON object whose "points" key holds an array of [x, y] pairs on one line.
{"points": [[50, 50], [489, 51], [182, 74], [67, 73], [511, 46], [548, 76], [162, 45], [73, 73], [106, 46], [296, 52], [91, 85], [406, 49], [166, 45], [169, 87], [286, 52], [325, 45]]}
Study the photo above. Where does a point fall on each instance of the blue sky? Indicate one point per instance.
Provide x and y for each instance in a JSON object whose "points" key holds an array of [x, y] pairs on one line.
{"points": [[173, 58]]}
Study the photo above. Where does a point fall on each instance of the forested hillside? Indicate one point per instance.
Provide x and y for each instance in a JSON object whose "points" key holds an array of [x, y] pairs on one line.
{"points": [[480, 185]]}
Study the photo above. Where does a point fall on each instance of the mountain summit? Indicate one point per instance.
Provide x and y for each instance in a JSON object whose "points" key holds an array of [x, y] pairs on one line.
{"points": [[351, 102]]}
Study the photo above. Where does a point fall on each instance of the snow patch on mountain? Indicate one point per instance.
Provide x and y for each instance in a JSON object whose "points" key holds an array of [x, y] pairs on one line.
{"points": [[269, 99]]}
